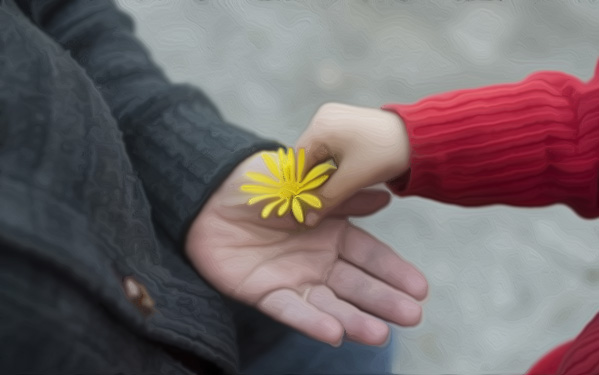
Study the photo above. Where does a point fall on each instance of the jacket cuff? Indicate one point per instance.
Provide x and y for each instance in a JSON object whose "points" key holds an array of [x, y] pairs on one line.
{"points": [[531, 143], [184, 151]]}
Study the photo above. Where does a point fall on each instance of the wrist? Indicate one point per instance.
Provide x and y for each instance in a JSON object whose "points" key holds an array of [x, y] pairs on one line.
{"points": [[402, 147], [227, 197]]}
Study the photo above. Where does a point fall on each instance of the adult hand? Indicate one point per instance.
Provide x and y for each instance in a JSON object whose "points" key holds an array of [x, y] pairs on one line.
{"points": [[323, 281], [369, 146]]}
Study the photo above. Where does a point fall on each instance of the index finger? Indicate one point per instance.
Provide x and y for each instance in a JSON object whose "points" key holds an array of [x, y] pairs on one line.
{"points": [[316, 151]]}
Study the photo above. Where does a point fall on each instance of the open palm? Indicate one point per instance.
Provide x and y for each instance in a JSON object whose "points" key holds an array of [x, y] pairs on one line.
{"points": [[326, 281]]}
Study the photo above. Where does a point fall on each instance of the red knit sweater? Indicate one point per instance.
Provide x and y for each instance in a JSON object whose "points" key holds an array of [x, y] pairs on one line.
{"points": [[531, 143]]}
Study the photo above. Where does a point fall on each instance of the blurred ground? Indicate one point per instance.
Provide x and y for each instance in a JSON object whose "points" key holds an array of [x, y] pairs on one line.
{"points": [[507, 284]]}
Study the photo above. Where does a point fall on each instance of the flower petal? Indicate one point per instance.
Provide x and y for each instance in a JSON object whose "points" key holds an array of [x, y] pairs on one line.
{"points": [[317, 171], [259, 189], [272, 165], [284, 208], [260, 198], [301, 161], [298, 212], [269, 207], [259, 177], [291, 164], [283, 164], [310, 199], [313, 184]]}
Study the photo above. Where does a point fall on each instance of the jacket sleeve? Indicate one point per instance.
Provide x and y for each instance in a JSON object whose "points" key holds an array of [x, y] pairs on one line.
{"points": [[531, 143], [177, 141]]}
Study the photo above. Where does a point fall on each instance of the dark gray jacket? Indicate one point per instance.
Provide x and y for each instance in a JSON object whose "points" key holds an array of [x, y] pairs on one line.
{"points": [[103, 164]]}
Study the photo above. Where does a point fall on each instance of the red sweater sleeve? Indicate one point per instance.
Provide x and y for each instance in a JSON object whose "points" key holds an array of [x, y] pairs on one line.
{"points": [[582, 356], [531, 143]]}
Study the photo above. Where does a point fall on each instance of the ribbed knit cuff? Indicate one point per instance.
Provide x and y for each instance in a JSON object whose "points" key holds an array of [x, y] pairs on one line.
{"points": [[581, 356], [532, 143], [183, 150]]}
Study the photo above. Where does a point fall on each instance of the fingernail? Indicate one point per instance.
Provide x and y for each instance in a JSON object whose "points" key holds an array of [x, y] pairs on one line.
{"points": [[410, 307], [419, 287], [411, 311], [377, 327], [311, 219], [338, 343]]}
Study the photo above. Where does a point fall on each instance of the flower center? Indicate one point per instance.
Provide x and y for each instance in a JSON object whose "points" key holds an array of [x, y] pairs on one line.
{"points": [[289, 189]]}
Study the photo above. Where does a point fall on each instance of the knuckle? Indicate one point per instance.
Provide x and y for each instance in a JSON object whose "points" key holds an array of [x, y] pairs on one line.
{"points": [[329, 112]]}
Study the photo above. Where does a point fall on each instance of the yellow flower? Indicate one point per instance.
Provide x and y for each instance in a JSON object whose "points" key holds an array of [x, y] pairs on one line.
{"points": [[288, 189]]}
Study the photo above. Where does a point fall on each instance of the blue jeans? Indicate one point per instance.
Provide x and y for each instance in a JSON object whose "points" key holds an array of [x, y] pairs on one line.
{"points": [[298, 354]]}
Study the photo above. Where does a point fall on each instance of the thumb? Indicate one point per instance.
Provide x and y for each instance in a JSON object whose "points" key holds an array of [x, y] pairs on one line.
{"points": [[343, 183]]}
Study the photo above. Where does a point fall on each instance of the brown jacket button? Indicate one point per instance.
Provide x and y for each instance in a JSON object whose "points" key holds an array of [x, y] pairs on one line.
{"points": [[138, 295]]}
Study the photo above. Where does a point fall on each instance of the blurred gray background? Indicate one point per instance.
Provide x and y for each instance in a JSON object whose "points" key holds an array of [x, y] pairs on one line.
{"points": [[507, 284]]}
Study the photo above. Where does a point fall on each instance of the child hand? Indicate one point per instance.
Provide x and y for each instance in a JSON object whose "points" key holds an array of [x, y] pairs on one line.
{"points": [[369, 146]]}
